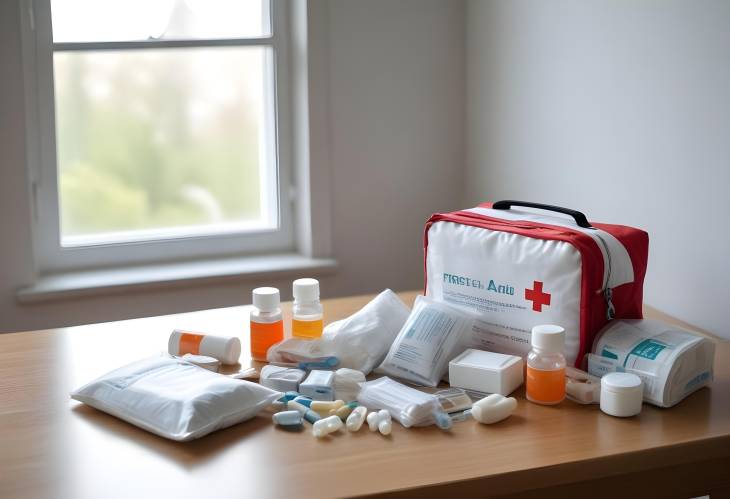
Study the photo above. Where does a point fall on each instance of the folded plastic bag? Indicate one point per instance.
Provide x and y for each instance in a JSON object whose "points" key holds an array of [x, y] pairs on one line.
{"points": [[434, 333], [359, 342], [175, 399], [408, 406]]}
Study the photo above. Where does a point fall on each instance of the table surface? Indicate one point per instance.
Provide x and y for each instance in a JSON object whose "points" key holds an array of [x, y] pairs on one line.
{"points": [[52, 446]]}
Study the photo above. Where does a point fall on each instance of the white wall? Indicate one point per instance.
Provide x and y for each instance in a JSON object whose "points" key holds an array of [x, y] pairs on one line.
{"points": [[621, 109], [396, 150]]}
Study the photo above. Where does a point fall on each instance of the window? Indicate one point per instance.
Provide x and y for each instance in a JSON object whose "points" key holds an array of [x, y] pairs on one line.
{"points": [[162, 129]]}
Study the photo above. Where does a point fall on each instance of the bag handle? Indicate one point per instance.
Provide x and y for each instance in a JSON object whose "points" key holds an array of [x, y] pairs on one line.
{"points": [[579, 217]]}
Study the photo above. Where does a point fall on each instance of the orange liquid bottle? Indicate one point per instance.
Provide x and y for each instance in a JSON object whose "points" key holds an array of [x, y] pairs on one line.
{"points": [[267, 324], [545, 379]]}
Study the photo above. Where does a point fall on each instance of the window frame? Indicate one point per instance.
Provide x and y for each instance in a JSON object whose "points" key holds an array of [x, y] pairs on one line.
{"points": [[51, 256]]}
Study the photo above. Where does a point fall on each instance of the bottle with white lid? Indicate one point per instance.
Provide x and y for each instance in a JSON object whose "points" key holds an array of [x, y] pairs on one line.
{"points": [[307, 318], [545, 380], [267, 325]]}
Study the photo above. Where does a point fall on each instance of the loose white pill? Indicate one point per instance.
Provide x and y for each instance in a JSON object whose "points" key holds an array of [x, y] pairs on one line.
{"points": [[493, 408], [356, 418], [385, 426], [373, 421], [326, 426]]}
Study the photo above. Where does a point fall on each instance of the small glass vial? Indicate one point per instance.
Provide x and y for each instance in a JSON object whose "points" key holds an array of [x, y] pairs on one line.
{"points": [[267, 325], [307, 310], [545, 380]]}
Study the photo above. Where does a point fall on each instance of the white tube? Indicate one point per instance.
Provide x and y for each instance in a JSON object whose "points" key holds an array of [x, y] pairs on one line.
{"points": [[227, 349]]}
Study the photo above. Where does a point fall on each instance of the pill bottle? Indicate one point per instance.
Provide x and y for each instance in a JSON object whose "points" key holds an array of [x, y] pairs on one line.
{"points": [[227, 349], [267, 325], [545, 380], [307, 310]]}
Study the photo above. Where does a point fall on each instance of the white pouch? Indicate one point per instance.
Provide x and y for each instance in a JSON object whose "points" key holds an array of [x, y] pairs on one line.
{"points": [[434, 333], [406, 405], [359, 342], [175, 399], [671, 362]]}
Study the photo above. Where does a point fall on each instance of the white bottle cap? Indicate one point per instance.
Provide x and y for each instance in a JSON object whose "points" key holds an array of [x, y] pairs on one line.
{"points": [[548, 338], [306, 290], [266, 299]]}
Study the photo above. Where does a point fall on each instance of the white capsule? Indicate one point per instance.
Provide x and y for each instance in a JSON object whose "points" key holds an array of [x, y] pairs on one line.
{"points": [[385, 426], [373, 421], [356, 418], [384, 415], [493, 408], [326, 426]]}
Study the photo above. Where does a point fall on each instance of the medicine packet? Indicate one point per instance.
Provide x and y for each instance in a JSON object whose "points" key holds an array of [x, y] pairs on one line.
{"points": [[671, 362], [408, 406], [434, 333], [175, 399], [359, 342]]}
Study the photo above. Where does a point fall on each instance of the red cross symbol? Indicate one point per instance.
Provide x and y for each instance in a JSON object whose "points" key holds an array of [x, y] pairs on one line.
{"points": [[537, 297]]}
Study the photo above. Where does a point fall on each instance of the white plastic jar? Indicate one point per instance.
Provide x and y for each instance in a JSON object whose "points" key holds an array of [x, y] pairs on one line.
{"points": [[621, 394]]}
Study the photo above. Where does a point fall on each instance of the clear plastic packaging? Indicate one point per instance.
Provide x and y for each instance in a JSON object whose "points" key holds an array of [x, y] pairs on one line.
{"points": [[408, 406], [434, 333], [175, 399], [359, 342]]}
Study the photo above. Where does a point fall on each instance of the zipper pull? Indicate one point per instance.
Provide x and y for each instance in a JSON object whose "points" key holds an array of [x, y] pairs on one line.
{"points": [[610, 309]]}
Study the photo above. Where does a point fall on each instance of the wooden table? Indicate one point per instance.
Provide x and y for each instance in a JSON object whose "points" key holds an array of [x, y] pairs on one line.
{"points": [[51, 446]]}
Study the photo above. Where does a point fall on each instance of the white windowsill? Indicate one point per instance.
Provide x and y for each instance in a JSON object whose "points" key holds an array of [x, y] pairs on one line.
{"points": [[114, 280]]}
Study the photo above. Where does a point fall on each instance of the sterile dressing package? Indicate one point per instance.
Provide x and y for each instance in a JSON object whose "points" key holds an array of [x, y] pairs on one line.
{"points": [[175, 399], [518, 269], [486, 372], [671, 362], [434, 333], [359, 342], [281, 379], [410, 407]]}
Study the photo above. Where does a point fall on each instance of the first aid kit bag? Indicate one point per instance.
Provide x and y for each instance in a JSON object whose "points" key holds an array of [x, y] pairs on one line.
{"points": [[175, 399], [519, 268]]}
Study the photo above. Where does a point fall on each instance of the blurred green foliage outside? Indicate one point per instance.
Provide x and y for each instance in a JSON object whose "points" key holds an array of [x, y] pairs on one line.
{"points": [[158, 138]]}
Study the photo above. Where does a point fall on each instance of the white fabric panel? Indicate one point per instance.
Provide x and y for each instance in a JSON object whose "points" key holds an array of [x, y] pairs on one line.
{"points": [[489, 271], [622, 271]]}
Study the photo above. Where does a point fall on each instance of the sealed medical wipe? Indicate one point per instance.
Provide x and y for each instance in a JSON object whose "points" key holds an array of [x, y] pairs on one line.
{"points": [[175, 399], [434, 333], [359, 342], [671, 362], [408, 406], [518, 269]]}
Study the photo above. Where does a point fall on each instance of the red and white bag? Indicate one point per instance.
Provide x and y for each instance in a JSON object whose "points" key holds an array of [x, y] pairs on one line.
{"points": [[519, 269]]}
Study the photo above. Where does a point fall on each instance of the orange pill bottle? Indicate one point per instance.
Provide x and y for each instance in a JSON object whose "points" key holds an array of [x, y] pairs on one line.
{"points": [[267, 324], [545, 379]]}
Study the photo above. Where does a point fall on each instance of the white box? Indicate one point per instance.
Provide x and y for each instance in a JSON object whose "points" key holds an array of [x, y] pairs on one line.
{"points": [[486, 372], [319, 385], [281, 379]]}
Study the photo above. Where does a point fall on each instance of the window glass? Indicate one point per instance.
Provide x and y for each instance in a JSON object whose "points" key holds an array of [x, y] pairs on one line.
{"points": [[135, 20], [151, 141]]}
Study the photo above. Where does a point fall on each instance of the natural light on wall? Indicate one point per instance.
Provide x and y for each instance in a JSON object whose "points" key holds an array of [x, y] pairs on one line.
{"points": [[162, 142]]}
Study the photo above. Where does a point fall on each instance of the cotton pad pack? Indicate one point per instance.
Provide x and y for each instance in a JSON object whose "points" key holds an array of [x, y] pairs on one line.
{"points": [[175, 399], [408, 406], [434, 333]]}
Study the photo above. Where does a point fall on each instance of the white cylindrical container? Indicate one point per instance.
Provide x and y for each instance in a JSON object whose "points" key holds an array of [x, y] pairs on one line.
{"points": [[621, 394], [227, 349]]}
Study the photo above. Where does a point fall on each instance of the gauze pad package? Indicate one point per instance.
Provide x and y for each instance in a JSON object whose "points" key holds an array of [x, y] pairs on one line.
{"points": [[359, 342], [408, 406], [175, 399], [434, 333], [670, 361]]}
